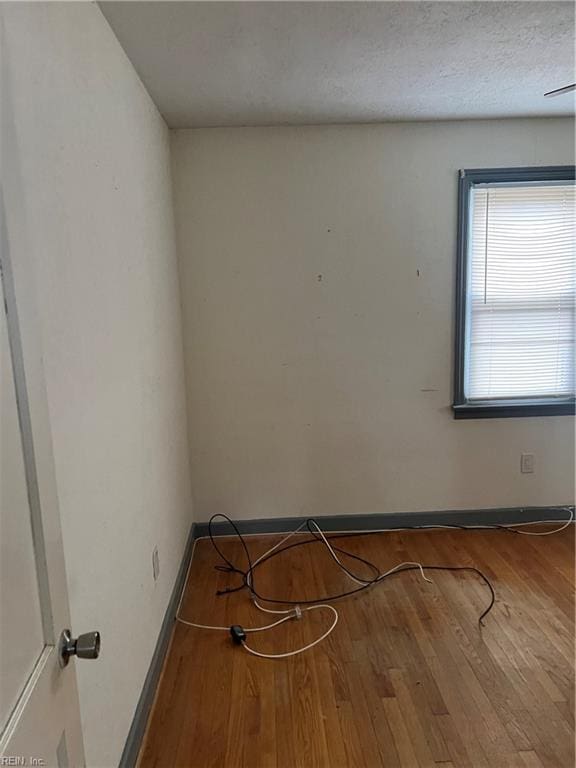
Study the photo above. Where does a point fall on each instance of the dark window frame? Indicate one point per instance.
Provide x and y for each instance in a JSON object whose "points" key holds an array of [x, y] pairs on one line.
{"points": [[504, 408]]}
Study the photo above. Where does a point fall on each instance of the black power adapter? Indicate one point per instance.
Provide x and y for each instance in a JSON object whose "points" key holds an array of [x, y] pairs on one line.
{"points": [[237, 633]]}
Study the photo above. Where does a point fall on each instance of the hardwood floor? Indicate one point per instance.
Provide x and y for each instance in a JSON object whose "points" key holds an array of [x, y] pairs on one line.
{"points": [[407, 678]]}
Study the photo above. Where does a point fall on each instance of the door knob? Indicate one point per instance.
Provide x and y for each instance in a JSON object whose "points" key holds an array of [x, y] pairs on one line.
{"points": [[86, 646]]}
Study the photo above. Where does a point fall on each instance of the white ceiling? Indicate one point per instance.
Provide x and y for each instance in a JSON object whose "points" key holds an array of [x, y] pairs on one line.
{"points": [[271, 63]]}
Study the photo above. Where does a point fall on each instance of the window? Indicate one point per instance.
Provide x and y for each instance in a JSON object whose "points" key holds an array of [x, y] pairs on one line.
{"points": [[516, 293]]}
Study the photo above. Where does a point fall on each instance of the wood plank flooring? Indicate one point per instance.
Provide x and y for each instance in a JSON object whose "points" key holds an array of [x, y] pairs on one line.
{"points": [[407, 678]]}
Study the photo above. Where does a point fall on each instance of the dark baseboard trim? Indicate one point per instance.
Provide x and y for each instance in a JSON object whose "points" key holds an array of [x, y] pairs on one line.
{"points": [[498, 516], [136, 733]]}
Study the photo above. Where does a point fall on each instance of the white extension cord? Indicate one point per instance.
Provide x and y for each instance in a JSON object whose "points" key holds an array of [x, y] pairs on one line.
{"points": [[297, 611]]}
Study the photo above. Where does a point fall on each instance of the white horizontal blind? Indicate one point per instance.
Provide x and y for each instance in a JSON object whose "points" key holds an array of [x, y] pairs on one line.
{"points": [[521, 291]]}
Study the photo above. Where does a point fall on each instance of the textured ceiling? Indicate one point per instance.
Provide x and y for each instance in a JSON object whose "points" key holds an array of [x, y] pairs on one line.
{"points": [[275, 63]]}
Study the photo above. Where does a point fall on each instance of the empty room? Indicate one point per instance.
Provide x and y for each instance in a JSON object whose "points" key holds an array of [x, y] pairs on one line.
{"points": [[287, 384]]}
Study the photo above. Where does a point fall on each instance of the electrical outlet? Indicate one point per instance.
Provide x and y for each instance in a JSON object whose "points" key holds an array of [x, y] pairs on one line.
{"points": [[155, 564], [527, 463]]}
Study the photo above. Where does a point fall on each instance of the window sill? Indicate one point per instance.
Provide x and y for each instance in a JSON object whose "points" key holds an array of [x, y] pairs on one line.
{"points": [[512, 409]]}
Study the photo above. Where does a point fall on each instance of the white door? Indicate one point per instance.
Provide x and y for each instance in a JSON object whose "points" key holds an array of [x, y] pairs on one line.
{"points": [[39, 709]]}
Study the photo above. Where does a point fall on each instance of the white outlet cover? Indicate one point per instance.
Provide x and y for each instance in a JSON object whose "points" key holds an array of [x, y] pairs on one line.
{"points": [[155, 564], [527, 463]]}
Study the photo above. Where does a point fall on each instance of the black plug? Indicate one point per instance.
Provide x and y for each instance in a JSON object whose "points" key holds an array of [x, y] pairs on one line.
{"points": [[237, 633]]}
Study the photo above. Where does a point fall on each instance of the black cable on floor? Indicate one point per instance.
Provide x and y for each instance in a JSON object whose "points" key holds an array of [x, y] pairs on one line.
{"points": [[248, 576]]}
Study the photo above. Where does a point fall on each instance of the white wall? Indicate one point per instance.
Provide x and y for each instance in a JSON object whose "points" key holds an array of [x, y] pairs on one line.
{"points": [[318, 287], [93, 157]]}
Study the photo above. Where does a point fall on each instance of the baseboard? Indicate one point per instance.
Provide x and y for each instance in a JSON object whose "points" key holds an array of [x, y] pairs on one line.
{"points": [[389, 520], [136, 733]]}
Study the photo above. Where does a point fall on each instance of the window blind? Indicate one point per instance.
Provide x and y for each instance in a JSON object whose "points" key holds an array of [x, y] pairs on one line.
{"points": [[521, 292]]}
